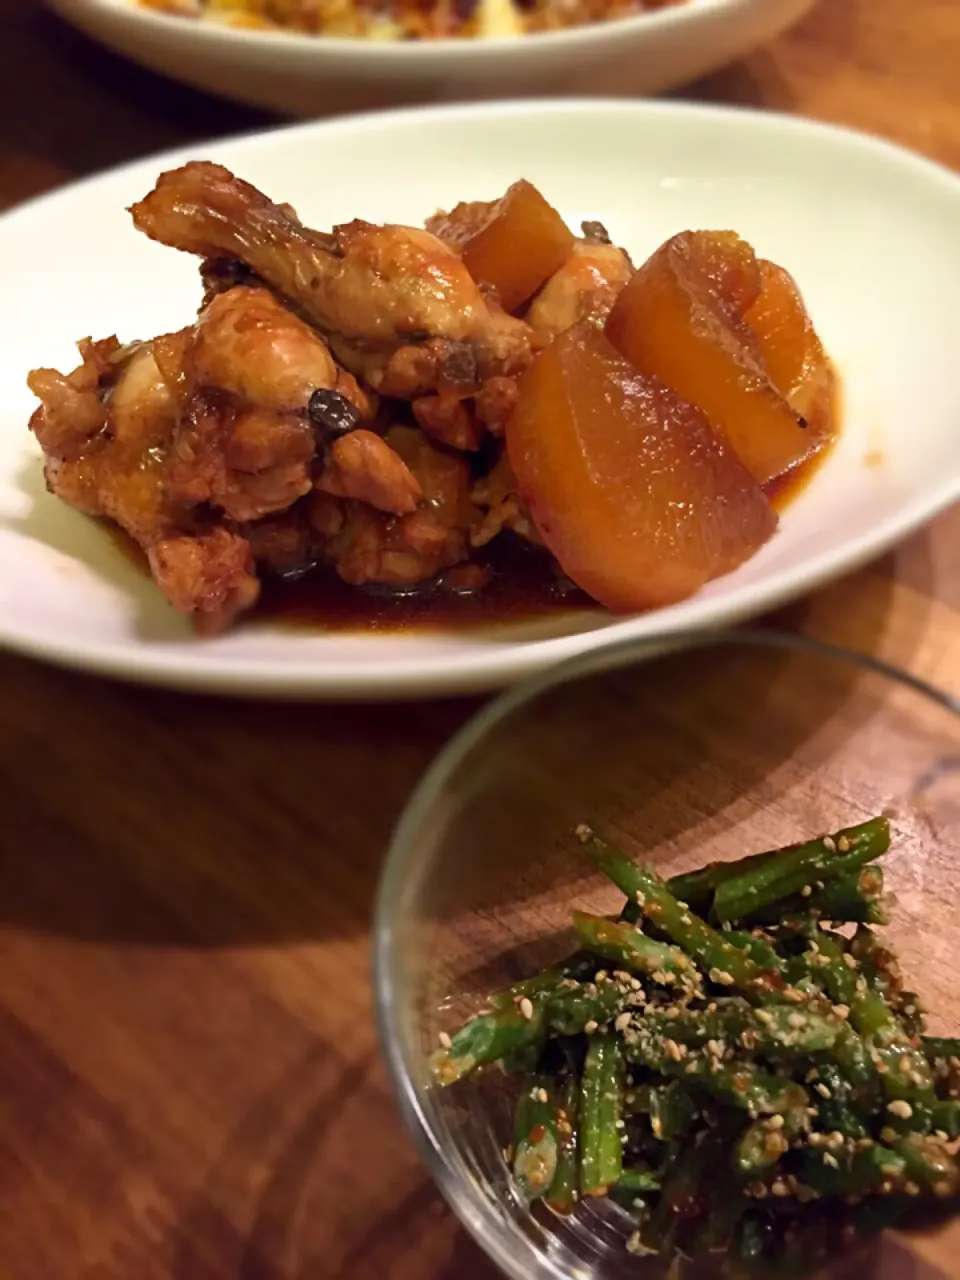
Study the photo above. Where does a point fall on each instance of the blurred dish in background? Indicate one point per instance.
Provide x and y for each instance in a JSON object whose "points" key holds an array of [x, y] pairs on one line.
{"points": [[407, 19], [367, 59]]}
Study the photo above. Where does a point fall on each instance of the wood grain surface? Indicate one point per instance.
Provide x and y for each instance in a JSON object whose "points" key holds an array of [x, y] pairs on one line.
{"points": [[190, 1087]]}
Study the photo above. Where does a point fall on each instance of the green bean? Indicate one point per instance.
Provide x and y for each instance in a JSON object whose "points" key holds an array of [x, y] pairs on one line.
{"points": [[570, 1009], [847, 1173], [633, 950], [835, 1103], [724, 963], [600, 1119], [856, 898], [672, 1111], [776, 1030], [945, 1118], [578, 966], [739, 1084], [760, 950], [765, 1142], [536, 1140], [928, 1164], [563, 1193], [799, 867], [487, 1038]]}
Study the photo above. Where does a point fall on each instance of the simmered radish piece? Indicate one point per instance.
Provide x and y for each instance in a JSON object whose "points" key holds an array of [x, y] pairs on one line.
{"points": [[680, 319], [792, 354], [633, 491], [514, 243]]}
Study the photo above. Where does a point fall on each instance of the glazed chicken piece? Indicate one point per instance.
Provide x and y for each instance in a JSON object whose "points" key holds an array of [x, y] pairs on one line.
{"points": [[362, 466], [584, 288], [496, 497], [217, 423], [245, 375], [366, 546], [106, 450], [105, 430], [375, 291]]}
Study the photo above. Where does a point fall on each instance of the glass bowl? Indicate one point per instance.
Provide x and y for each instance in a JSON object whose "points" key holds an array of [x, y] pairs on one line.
{"points": [[733, 743]]}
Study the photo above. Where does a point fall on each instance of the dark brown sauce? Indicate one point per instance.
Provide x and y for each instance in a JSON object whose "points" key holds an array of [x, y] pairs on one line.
{"points": [[524, 584]]}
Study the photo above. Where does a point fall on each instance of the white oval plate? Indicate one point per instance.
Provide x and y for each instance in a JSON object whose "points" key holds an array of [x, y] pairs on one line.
{"points": [[869, 230], [307, 75]]}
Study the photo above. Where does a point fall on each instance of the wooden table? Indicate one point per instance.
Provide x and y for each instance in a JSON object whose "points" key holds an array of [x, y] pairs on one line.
{"points": [[190, 1086]]}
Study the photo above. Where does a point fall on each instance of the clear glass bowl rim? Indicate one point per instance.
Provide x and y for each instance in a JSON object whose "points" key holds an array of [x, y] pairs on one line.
{"points": [[470, 1209]]}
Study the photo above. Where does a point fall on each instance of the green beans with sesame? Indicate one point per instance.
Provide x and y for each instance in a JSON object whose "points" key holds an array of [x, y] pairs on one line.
{"points": [[727, 1068]]}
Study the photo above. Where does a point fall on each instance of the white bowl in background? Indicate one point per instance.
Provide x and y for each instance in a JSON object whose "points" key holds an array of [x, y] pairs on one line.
{"points": [[307, 75], [869, 230]]}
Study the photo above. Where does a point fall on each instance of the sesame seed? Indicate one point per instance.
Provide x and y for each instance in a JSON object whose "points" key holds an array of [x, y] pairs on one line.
{"points": [[891, 1170], [672, 1050], [823, 1091], [806, 891], [542, 1095], [590, 1026], [583, 833], [774, 1122], [830, 1160], [779, 1187], [600, 975], [900, 1108], [849, 960], [622, 1021], [796, 1020], [526, 1008], [830, 844], [721, 977], [841, 1011], [911, 1188], [444, 1038], [843, 844]]}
